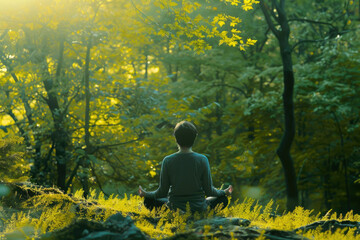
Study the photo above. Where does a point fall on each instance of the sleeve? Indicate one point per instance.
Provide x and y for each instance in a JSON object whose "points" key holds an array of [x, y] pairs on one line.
{"points": [[164, 184], [207, 184]]}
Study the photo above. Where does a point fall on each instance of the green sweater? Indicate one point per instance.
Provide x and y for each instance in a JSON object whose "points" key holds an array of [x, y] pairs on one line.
{"points": [[186, 177]]}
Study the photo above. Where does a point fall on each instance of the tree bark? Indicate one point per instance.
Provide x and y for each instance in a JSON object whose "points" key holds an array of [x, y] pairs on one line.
{"points": [[59, 136], [344, 160], [146, 66], [283, 150], [84, 179]]}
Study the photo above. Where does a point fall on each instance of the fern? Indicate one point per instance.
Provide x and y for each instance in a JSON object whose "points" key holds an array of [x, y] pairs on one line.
{"points": [[49, 212]]}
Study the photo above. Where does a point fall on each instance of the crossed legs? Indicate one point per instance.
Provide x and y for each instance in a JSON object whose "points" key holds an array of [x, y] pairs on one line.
{"points": [[212, 202]]}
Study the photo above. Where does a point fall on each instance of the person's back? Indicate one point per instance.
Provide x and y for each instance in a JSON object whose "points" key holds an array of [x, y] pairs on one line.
{"points": [[185, 177], [189, 180]]}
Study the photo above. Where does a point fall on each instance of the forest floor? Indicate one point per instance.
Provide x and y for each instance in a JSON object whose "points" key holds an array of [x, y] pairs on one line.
{"points": [[33, 212]]}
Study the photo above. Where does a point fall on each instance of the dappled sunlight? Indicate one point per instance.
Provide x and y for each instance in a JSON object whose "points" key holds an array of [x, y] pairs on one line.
{"points": [[91, 90]]}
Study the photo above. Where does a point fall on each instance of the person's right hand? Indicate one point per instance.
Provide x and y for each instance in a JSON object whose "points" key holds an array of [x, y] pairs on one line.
{"points": [[141, 192], [229, 190]]}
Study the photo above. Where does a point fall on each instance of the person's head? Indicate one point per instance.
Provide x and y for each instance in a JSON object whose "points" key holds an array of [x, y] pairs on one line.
{"points": [[185, 133]]}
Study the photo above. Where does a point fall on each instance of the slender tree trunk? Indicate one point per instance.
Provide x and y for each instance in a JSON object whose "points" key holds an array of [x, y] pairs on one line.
{"points": [[146, 66], [60, 136], [87, 94], [344, 160], [85, 180], [86, 164], [327, 190], [219, 98], [283, 150], [170, 72]]}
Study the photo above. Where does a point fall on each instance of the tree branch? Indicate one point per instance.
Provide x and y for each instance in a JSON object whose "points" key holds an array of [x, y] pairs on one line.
{"points": [[97, 179], [280, 8], [270, 23], [69, 102], [261, 46], [18, 125], [271, 11], [311, 21], [22, 91], [320, 40], [144, 15], [306, 41], [98, 147], [72, 175]]}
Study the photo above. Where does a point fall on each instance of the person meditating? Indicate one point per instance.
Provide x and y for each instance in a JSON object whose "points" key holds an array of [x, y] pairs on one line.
{"points": [[185, 178]]}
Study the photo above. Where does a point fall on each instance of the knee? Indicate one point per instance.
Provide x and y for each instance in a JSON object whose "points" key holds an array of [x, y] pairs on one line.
{"points": [[149, 203]]}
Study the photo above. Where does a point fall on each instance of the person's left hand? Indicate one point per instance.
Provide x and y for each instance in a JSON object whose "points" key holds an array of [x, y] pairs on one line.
{"points": [[142, 192], [229, 190]]}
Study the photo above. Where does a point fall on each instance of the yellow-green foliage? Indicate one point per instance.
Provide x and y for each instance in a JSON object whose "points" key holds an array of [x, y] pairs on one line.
{"points": [[12, 164], [49, 212], [50, 219], [337, 235], [47, 200]]}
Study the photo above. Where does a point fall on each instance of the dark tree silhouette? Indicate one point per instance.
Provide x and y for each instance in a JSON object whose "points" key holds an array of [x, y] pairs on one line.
{"points": [[282, 34]]}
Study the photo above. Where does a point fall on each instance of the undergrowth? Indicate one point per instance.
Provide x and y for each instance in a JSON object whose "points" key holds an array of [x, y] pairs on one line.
{"points": [[49, 212]]}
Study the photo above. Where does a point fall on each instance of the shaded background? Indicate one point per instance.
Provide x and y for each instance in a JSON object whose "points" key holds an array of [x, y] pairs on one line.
{"points": [[91, 90]]}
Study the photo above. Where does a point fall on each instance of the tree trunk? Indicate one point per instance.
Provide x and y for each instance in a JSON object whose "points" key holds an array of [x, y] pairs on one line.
{"points": [[84, 178], [59, 136], [146, 66], [170, 73], [283, 150], [344, 160]]}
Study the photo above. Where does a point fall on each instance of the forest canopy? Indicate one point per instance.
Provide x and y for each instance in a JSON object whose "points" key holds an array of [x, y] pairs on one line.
{"points": [[91, 91]]}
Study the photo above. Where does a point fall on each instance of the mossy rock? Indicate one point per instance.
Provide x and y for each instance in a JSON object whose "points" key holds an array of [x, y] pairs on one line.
{"points": [[21, 192], [331, 225], [115, 227], [232, 228]]}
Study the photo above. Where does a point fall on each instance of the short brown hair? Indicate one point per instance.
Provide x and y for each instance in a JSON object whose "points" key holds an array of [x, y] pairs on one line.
{"points": [[185, 133]]}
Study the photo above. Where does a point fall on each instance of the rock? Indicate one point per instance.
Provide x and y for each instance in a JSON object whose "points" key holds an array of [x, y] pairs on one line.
{"points": [[221, 221], [118, 218], [115, 227], [241, 233], [85, 232], [229, 228], [332, 225], [134, 233], [103, 235], [119, 223], [4, 190], [282, 235], [20, 192], [185, 236], [75, 230]]}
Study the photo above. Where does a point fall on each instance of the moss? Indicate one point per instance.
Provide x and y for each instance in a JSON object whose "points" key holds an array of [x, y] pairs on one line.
{"points": [[46, 210], [20, 192]]}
